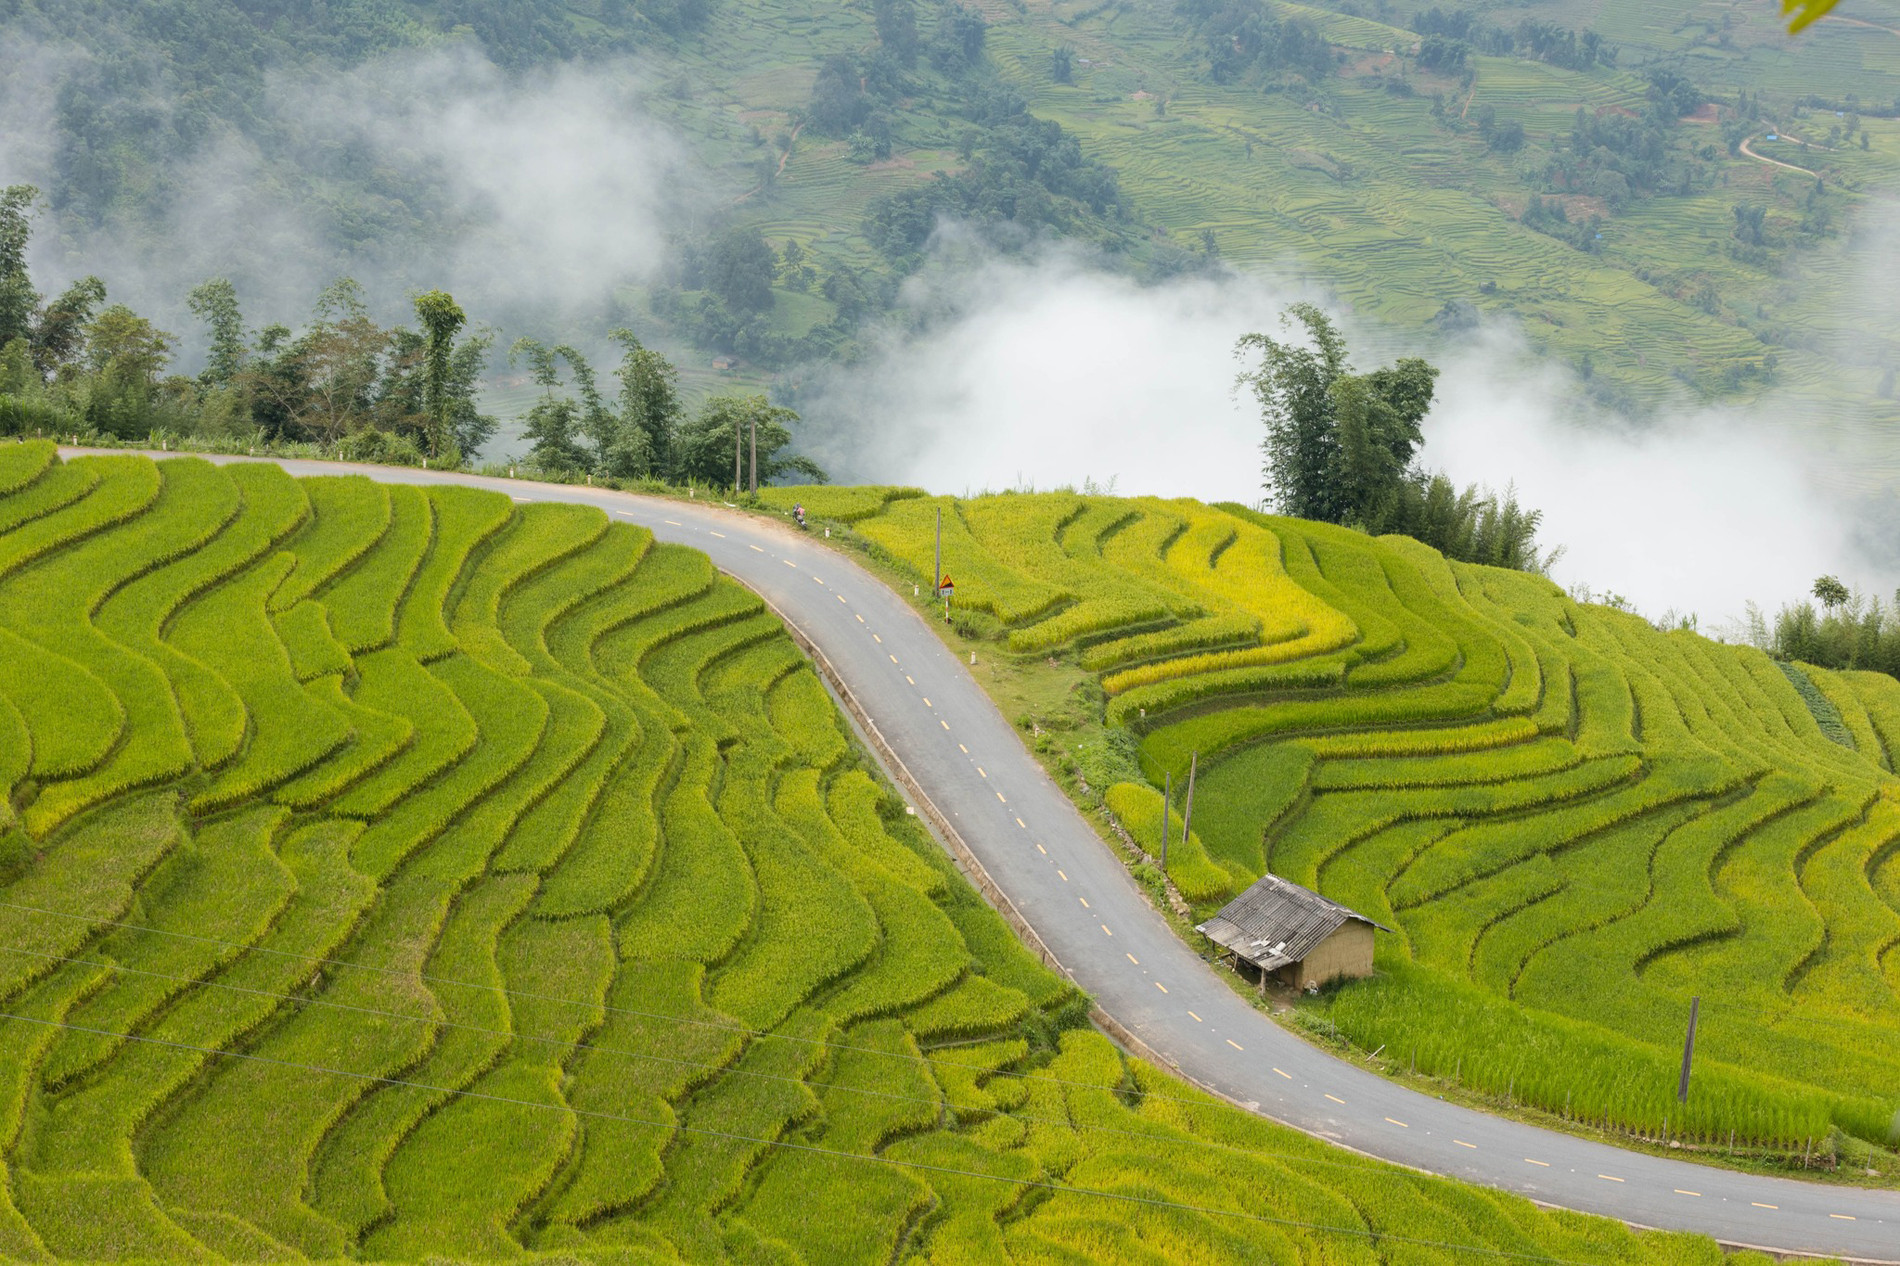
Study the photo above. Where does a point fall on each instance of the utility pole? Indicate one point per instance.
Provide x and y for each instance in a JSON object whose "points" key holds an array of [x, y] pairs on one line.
{"points": [[1688, 1052], [755, 457], [1187, 814], [1167, 790], [936, 562], [738, 445]]}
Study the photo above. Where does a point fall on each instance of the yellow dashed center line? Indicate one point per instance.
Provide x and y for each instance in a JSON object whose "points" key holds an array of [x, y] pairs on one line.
{"points": [[927, 702], [1843, 1217], [880, 642], [860, 619], [673, 522], [999, 796], [755, 549], [1042, 850], [963, 749], [1402, 1125], [1336, 1099], [1065, 877], [1084, 901], [720, 535], [944, 724], [979, 769], [893, 658], [1462, 1143], [1163, 988], [788, 562], [1105, 931], [1681, 1192], [1024, 825], [1288, 1076], [912, 680], [1609, 1178], [1759, 1205], [1236, 1045], [841, 597], [817, 580], [1137, 962], [1197, 1019], [1542, 1164]]}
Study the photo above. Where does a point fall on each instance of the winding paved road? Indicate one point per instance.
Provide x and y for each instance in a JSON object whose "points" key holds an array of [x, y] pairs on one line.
{"points": [[1077, 895]]}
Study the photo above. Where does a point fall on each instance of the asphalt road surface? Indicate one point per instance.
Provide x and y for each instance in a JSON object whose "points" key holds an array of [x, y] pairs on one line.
{"points": [[1076, 893]]}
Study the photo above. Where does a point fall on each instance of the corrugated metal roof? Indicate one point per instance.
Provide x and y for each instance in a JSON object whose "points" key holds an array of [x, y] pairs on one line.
{"points": [[1276, 922]]}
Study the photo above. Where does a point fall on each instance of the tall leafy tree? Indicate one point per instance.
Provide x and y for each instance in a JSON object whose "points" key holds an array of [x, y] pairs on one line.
{"points": [[18, 300], [1293, 384], [441, 319], [649, 412], [706, 445], [553, 425], [215, 302], [59, 330]]}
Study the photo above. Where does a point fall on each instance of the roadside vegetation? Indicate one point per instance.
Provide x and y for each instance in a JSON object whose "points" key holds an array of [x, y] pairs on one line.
{"points": [[404, 874]]}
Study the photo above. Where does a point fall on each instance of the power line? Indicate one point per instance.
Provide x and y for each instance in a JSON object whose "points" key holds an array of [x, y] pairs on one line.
{"points": [[1030, 1183], [1292, 1158], [724, 1026]]}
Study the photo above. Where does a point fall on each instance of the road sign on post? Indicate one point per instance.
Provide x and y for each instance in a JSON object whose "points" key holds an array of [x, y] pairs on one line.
{"points": [[1167, 790]]}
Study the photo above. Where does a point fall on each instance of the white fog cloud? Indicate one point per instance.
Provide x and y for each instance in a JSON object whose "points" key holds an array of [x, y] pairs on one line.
{"points": [[1050, 372]]}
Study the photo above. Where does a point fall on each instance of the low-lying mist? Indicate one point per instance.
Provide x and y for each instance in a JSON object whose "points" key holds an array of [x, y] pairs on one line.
{"points": [[1043, 373], [530, 196]]}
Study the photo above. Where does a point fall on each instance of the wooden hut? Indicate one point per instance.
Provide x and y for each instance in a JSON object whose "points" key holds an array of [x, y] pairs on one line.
{"points": [[1294, 933]]}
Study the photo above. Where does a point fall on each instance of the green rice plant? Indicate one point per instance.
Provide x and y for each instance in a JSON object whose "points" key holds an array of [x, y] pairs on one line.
{"points": [[841, 505], [1195, 635], [362, 601], [376, 738], [72, 719], [906, 530], [1239, 798], [348, 515], [703, 896], [314, 652], [866, 1211], [812, 924], [54, 490], [89, 873], [21, 464], [1853, 713], [977, 1007], [465, 1173], [1879, 694], [535, 538], [392, 683], [126, 487], [1209, 682], [853, 803], [348, 1172], [1486, 848], [1138, 807], [510, 718], [228, 631], [1505, 764], [1484, 736], [464, 519], [802, 713]]}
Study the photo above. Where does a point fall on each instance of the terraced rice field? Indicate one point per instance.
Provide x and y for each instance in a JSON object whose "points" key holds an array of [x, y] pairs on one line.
{"points": [[390, 874], [1573, 822]]}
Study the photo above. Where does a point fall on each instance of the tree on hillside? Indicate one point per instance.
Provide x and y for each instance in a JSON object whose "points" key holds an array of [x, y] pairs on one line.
{"points": [[554, 423], [59, 330], [1342, 447], [897, 29], [18, 299], [740, 267], [707, 443], [215, 303], [441, 318], [1832, 593], [649, 412]]}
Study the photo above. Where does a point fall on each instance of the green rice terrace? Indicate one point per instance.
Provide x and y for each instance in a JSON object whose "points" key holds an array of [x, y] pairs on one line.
{"points": [[1573, 822], [392, 873]]}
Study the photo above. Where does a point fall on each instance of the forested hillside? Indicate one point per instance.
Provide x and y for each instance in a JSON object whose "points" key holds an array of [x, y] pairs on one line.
{"points": [[1602, 177], [397, 875]]}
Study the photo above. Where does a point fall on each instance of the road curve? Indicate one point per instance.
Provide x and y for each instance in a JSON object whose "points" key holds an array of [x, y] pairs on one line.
{"points": [[1077, 895]]}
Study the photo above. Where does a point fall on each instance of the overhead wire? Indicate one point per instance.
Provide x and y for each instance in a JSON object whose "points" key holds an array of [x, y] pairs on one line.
{"points": [[1364, 1233]]}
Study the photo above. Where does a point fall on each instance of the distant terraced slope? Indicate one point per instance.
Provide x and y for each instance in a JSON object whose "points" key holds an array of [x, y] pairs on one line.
{"points": [[391, 874], [1574, 822]]}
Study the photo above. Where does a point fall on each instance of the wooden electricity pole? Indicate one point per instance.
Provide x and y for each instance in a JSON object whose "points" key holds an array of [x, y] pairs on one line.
{"points": [[738, 449], [1167, 790], [755, 457], [1688, 1052], [1187, 813]]}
